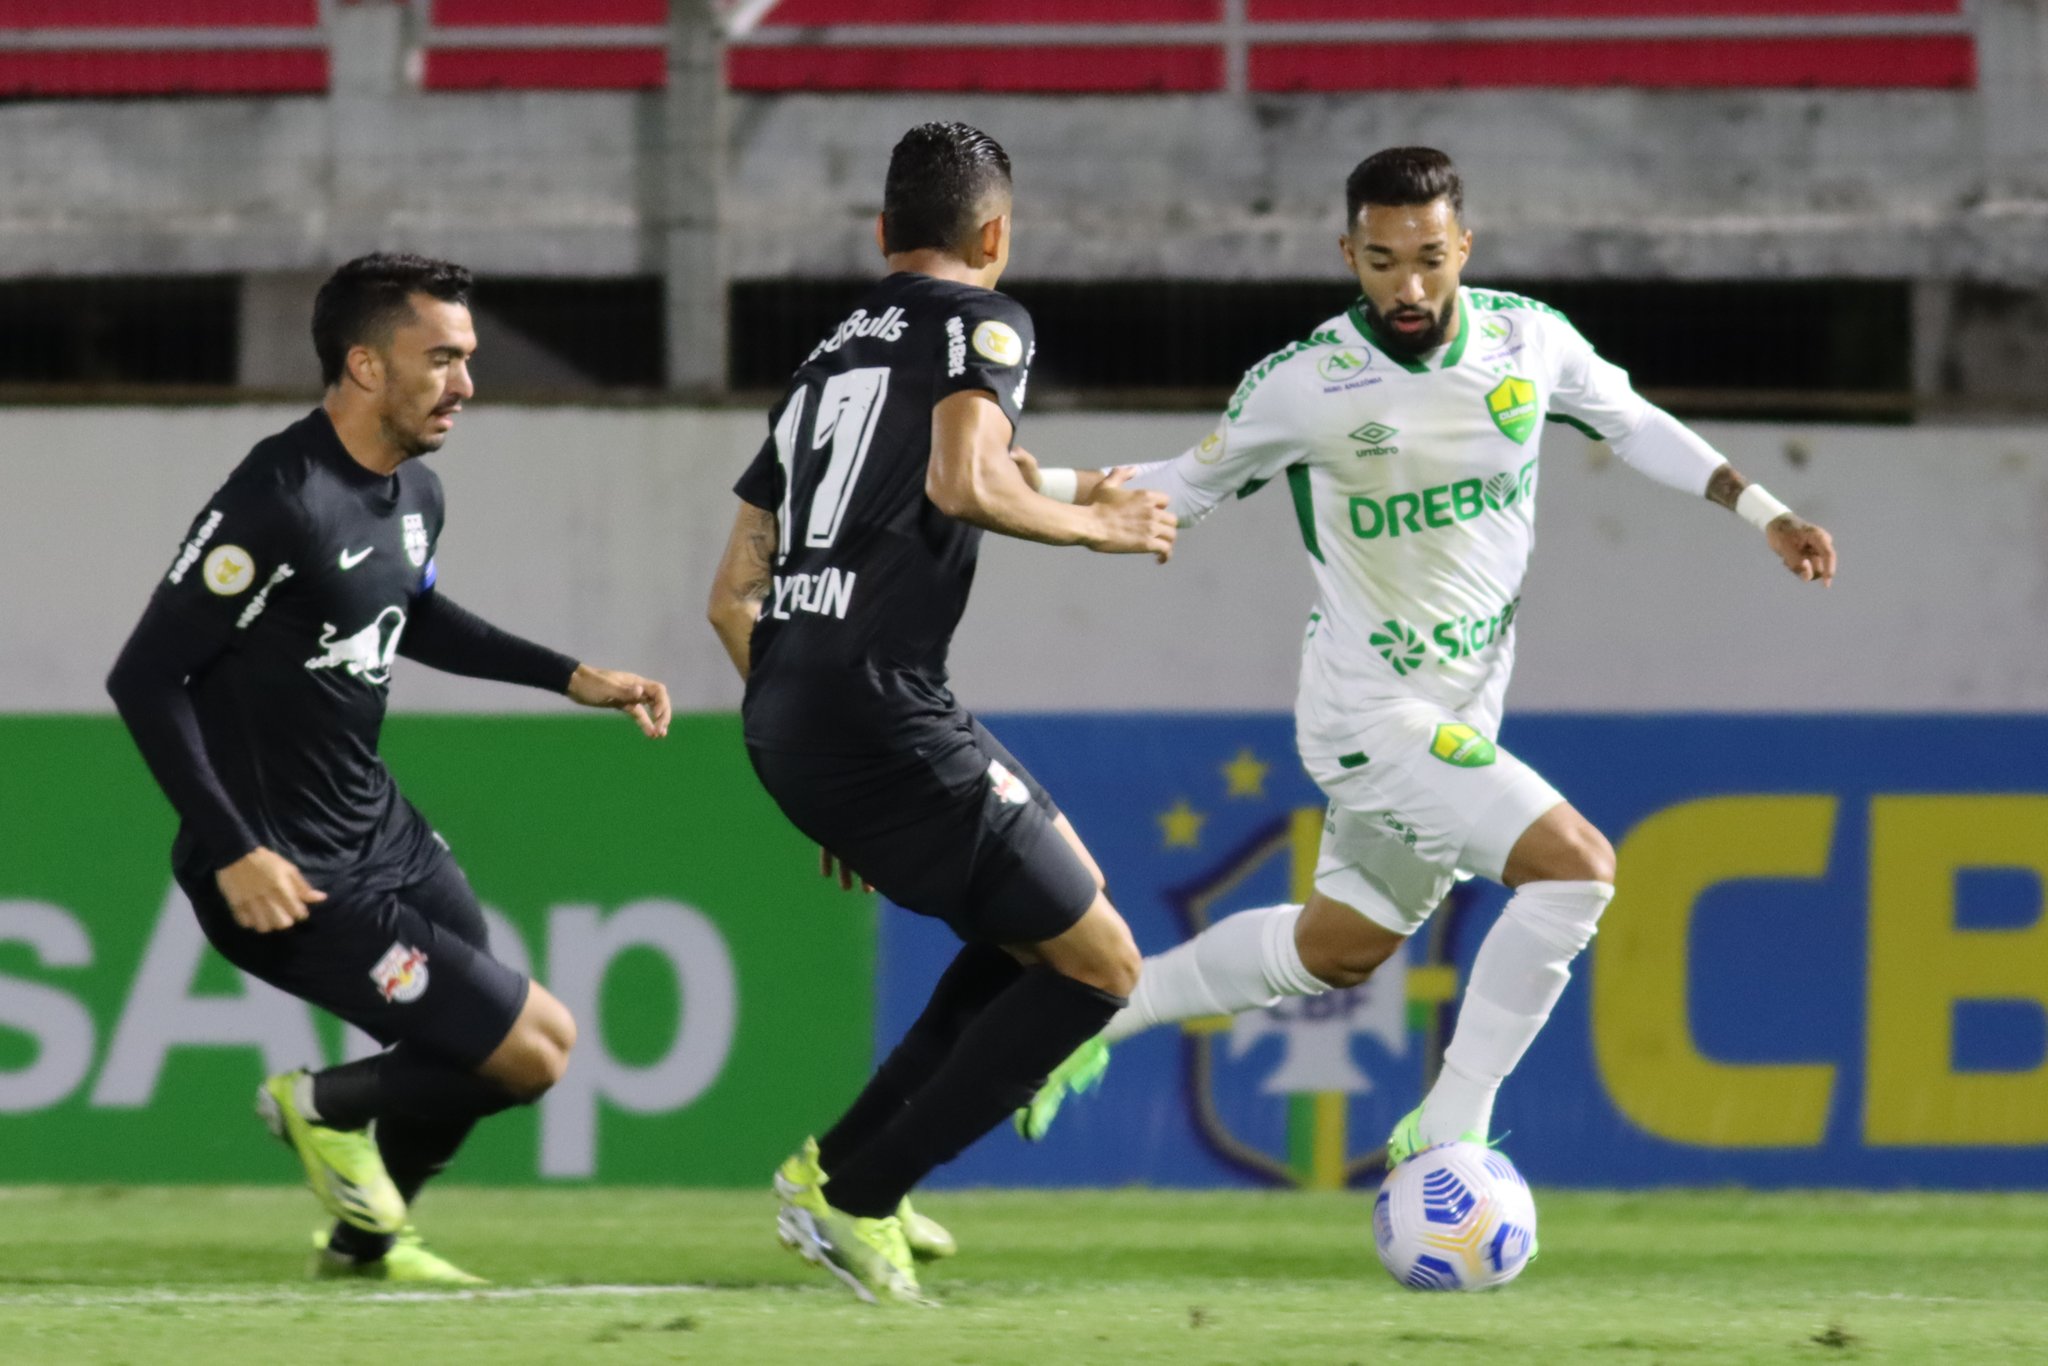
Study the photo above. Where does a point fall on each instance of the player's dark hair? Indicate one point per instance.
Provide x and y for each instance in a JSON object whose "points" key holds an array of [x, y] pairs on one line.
{"points": [[371, 295], [1400, 176], [940, 175]]}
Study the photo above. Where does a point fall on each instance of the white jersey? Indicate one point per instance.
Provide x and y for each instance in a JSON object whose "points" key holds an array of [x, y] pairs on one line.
{"points": [[1416, 483]]}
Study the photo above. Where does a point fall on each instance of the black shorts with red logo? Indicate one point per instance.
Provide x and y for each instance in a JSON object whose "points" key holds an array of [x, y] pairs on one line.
{"points": [[953, 827], [412, 964]]}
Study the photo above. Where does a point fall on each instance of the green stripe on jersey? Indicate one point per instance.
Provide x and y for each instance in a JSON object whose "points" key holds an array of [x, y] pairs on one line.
{"points": [[1583, 429], [1304, 509]]}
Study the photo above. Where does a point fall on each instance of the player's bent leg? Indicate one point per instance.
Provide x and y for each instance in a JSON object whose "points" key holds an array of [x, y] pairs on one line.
{"points": [[1339, 945], [535, 1052], [1562, 872], [1000, 1059]]}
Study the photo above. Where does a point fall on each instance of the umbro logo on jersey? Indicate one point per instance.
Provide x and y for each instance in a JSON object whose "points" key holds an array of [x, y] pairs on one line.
{"points": [[351, 558], [1376, 435]]}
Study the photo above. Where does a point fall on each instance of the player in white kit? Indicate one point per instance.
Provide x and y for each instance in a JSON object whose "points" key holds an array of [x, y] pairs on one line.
{"points": [[1407, 429]]}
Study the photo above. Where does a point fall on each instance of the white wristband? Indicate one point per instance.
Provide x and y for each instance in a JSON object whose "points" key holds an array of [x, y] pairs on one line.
{"points": [[1757, 507], [1062, 486]]}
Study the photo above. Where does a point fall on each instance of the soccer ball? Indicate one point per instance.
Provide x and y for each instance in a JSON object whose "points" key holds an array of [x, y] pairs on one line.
{"points": [[1457, 1216]]}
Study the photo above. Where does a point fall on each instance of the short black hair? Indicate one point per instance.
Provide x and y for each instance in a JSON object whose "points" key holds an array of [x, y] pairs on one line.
{"points": [[1401, 176], [369, 296], [939, 176]]}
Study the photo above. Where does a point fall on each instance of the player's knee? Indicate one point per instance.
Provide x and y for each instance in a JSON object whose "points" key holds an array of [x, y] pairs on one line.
{"points": [[1576, 853], [1344, 952], [536, 1054], [1590, 857]]}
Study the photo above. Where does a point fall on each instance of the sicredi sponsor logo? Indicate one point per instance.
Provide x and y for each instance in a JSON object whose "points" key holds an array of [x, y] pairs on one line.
{"points": [[1464, 635], [888, 326], [1440, 505]]}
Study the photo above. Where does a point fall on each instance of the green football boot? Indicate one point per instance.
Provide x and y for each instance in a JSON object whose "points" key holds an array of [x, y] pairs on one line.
{"points": [[929, 1239], [799, 1181], [342, 1165], [869, 1256], [1082, 1071], [1406, 1140], [409, 1262]]}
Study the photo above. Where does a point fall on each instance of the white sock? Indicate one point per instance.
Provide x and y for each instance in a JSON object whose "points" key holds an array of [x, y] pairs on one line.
{"points": [[1242, 961], [1522, 967]]}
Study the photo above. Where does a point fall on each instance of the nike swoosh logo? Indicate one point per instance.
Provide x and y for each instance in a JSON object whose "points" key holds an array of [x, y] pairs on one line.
{"points": [[350, 561]]}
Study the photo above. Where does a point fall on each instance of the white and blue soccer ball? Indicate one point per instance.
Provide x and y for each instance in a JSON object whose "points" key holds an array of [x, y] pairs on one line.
{"points": [[1457, 1216]]}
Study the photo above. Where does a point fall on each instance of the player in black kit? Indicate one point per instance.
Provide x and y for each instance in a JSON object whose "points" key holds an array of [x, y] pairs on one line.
{"points": [[846, 573], [255, 687]]}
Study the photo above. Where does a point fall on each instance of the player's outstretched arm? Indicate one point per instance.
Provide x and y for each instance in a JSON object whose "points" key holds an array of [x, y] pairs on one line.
{"points": [[746, 573], [643, 699], [973, 476], [1806, 549]]}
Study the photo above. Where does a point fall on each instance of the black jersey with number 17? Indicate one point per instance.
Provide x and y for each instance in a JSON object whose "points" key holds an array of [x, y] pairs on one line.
{"points": [[849, 656]]}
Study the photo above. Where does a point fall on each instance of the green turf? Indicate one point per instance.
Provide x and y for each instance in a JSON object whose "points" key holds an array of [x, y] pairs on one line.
{"points": [[155, 1276]]}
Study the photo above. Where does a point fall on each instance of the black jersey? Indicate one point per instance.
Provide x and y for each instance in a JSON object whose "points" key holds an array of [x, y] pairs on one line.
{"points": [[849, 655], [307, 565]]}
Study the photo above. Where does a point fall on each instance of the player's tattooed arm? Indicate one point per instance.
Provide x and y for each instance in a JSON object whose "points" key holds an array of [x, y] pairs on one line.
{"points": [[972, 475], [1725, 485], [745, 577], [1807, 550]]}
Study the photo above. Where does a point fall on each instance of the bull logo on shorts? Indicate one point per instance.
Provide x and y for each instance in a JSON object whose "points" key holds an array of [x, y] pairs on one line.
{"points": [[1304, 1092], [401, 974]]}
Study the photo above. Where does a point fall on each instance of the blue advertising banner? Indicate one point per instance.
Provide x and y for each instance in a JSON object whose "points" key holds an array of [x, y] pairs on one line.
{"points": [[1827, 964]]}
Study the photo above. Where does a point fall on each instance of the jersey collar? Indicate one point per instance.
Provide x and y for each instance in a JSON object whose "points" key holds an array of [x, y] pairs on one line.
{"points": [[1451, 354]]}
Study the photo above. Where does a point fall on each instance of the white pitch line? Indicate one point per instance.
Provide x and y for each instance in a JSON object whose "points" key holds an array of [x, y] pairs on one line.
{"points": [[339, 1296]]}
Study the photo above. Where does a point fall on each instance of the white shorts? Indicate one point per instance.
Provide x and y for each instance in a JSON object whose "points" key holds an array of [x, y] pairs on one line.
{"points": [[1425, 797]]}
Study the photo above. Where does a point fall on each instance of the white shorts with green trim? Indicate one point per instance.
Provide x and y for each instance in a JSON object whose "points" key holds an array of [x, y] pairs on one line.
{"points": [[1425, 798]]}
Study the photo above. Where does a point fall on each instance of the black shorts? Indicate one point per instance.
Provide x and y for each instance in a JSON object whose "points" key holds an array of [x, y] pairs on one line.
{"points": [[955, 829], [412, 964]]}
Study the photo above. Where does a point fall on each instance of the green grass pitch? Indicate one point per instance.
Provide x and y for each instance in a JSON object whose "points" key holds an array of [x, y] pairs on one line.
{"points": [[167, 1275]]}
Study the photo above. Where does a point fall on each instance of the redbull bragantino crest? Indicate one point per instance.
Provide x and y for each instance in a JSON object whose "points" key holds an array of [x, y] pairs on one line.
{"points": [[416, 539], [1512, 404]]}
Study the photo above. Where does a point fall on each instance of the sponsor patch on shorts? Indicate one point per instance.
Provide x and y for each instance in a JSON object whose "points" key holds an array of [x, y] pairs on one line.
{"points": [[401, 974], [1462, 745]]}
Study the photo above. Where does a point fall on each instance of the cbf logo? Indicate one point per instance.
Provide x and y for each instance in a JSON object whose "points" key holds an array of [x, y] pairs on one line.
{"points": [[1304, 1092]]}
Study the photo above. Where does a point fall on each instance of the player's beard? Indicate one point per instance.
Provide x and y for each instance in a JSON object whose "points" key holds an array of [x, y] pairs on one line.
{"points": [[412, 439], [1409, 345]]}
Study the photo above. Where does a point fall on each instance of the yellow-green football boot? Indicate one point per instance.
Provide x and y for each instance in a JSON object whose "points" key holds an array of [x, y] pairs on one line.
{"points": [[1406, 1140], [342, 1165], [929, 1239], [409, 1261], [868, 1256], [800, 1181], [1082, 1071]]}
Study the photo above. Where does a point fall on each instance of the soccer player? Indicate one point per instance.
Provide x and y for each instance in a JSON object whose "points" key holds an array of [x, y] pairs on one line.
{"points": [[847, 570], [1408, 428], [255, 687]]}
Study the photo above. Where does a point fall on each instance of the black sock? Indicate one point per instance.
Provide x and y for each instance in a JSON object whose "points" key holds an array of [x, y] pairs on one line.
{"points": [[414, 1152], [406, 1082], [1001, 1059], [978, 974]]}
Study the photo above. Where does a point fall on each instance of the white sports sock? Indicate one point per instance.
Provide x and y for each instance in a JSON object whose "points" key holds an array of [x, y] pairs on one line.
{"points": [[1240, 962], [1522, 967]]}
